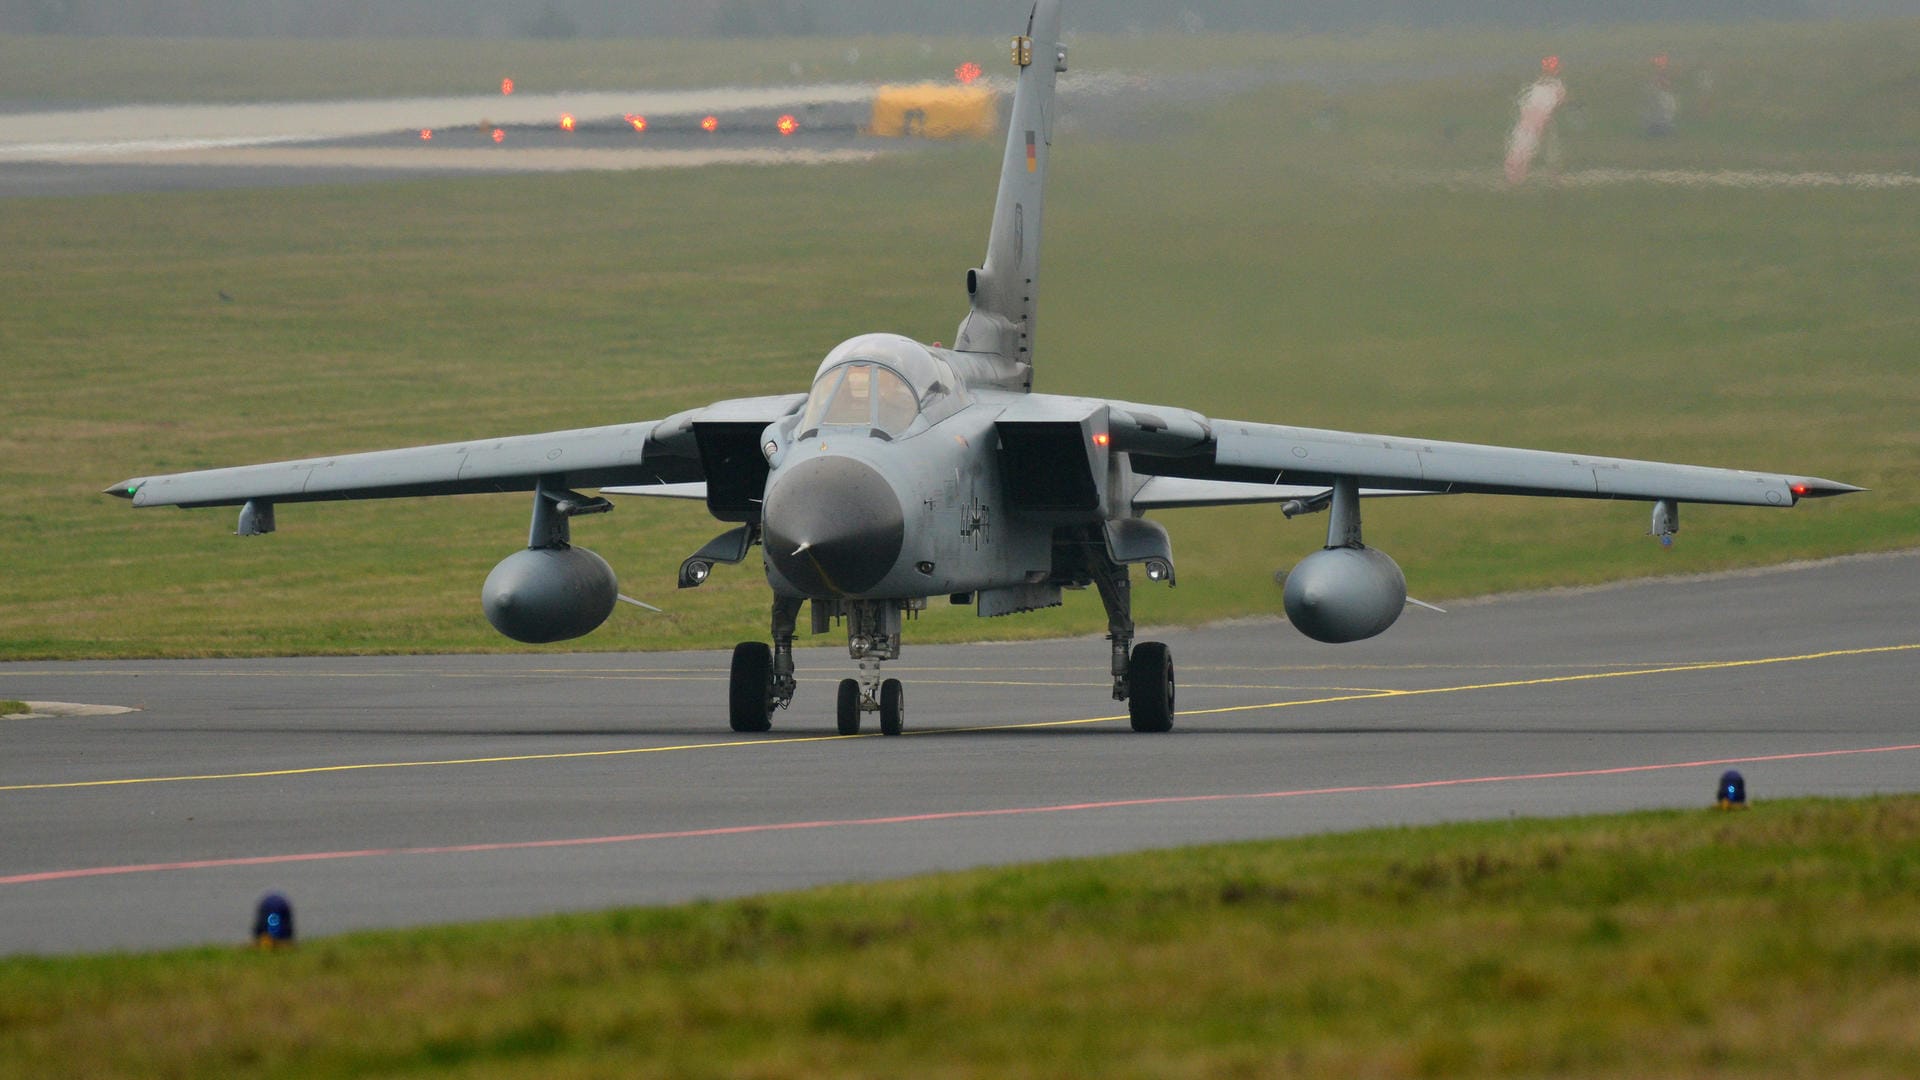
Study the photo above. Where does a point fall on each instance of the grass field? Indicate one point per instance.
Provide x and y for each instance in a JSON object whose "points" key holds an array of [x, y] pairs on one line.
{"points": [[1776, 942], [102, 70], [1259, 257]]}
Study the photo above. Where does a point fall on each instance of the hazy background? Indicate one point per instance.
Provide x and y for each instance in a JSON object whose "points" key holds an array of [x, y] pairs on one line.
{"points": [[751, 18]]}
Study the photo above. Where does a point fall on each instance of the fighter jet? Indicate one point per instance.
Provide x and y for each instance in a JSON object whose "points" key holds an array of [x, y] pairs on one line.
{"points": [[912, 472]]}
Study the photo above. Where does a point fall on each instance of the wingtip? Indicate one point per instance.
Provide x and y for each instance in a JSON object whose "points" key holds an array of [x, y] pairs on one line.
{"points": [[125, 489], [1816, 488]]}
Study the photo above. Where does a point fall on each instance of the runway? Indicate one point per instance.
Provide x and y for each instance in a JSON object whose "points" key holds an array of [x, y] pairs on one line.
{"points": [[179, 147], [48, 150], [380, 792]]}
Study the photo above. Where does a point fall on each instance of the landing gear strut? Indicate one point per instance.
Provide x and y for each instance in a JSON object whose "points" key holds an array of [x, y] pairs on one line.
{"points": [[762, 678], [1143, 673]]}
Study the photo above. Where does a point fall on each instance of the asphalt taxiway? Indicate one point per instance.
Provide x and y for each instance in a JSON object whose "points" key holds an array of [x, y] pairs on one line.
{"points": [[412, 790]]}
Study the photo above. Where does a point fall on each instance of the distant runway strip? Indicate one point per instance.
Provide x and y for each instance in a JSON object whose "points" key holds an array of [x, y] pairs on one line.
{"points": [[395, 791], [169, 147]]}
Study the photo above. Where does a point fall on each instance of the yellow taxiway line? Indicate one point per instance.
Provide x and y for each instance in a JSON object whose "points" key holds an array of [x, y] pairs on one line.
{"points": [[1364, 695]]}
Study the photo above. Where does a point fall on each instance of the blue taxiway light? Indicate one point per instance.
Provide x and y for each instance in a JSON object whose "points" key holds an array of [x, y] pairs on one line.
{"points": [[1732, 793], [273, 922]]}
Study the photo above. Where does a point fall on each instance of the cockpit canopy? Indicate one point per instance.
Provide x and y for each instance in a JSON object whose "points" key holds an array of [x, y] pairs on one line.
{"points": [[864, 394], [881, 382]]}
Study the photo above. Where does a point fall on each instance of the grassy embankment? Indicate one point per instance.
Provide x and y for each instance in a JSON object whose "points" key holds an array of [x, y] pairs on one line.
{"points": [[1776, 942], [10, 707], [1251, 258]]}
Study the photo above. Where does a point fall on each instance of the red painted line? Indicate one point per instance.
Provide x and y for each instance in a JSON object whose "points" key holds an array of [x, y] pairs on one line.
{"points": [[912, 819]]}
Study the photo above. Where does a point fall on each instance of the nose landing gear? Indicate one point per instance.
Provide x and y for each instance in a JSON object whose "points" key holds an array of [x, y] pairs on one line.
{"points": [[887, 697], [873, 635]]}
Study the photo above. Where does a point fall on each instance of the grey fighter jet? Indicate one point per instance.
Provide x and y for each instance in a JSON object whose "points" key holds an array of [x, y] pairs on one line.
{"points": [[912, 472]]}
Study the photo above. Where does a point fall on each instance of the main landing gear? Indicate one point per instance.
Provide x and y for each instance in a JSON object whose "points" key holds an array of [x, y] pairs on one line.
{"points": [[762, 677], [1143, 673]]}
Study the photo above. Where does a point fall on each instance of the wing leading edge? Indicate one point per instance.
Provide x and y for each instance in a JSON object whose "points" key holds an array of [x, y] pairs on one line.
{"points": [[1274, 454]]}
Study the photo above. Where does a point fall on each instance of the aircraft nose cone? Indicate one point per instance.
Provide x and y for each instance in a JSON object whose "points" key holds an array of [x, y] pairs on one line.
{"points": [[833, 526]]}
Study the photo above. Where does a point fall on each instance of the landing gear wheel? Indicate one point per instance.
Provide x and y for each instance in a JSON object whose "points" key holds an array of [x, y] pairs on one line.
{"points": [[1150, 682], [750, 688], [849, 714], [893, 707]]}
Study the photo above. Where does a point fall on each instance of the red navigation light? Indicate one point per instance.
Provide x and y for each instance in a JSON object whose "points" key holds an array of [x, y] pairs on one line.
{"points": [[639, 122], [566, 121], [787, 125], [967, 72], [426, 134], [506, 86], [709, 123], [1797, 489], [1101, 438], [499, 136]]}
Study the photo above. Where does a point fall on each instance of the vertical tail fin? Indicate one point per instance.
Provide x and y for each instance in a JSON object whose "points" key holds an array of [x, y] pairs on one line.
{"points": [[1000, 321]]}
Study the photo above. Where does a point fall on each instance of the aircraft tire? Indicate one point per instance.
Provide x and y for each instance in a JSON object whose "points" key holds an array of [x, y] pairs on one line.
{"points": [[750, 687], [848, 715], [893, 707], [1150, 682]]}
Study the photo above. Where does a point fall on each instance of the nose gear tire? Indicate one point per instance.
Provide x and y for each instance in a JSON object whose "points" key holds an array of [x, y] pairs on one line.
{"points": [[848, 714], [893, 707]]}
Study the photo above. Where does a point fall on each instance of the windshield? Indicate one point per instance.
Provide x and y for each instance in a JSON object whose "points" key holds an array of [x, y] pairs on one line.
{"points": [[863, 395]]}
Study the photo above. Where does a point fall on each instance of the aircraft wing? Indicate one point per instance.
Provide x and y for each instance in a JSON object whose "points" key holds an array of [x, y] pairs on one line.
{"points": [[1179, 443], [642, 454]]}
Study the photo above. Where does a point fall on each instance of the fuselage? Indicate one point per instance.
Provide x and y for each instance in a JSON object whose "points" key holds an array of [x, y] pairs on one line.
{"points": [[888, 484]]}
